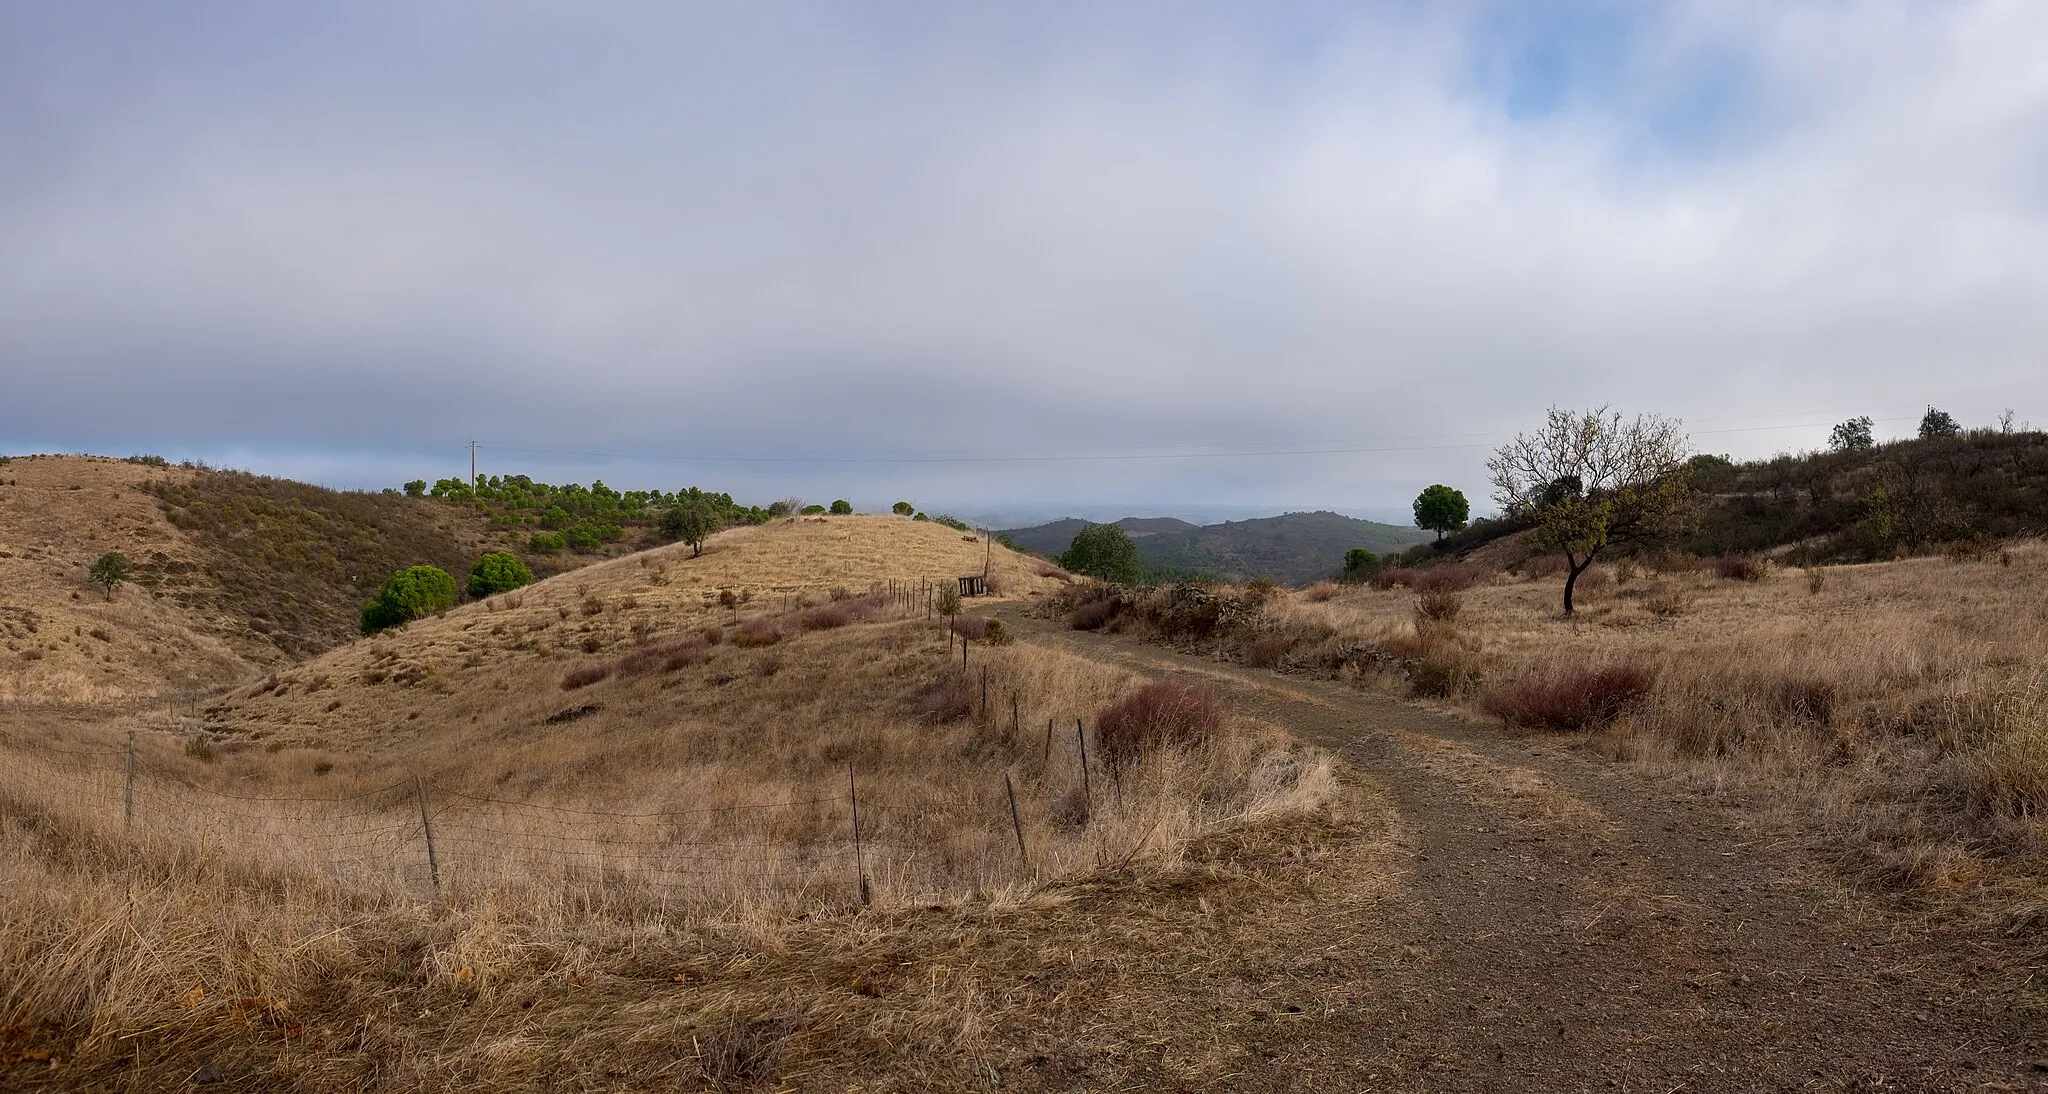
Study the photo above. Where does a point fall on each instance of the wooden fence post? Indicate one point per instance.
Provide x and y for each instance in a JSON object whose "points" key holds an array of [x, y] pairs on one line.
{"points": [[128, 785], [1087, 799], [859, 862], [1016, 824], [419, 793], [1048, 743]]}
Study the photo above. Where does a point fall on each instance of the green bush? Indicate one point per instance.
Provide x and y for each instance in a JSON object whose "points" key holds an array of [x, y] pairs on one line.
{"points": [[583, 536], [409, 594], [692, 520], [953, 522], [842, 508], [111, 569], [903, 509], [546, 541], [497, 572], [1360, 564], [1104, 551], [812, 510]]}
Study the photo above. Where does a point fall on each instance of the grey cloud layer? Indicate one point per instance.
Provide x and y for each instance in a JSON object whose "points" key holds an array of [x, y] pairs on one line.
{"points": [[347, 238]]}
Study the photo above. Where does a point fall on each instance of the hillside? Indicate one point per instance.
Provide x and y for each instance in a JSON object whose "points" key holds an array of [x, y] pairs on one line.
{"points": [[1295, 548], [233, 572]]}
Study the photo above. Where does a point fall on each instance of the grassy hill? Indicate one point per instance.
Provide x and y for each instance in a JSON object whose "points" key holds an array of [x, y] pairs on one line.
{"points": [[1295, 548], [233, 572], [647, 863]]}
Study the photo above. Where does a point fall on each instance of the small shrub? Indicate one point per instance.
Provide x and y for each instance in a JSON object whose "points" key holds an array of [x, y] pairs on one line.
{"points": [[585, 676], [1734, 567], [1666, 601], [813, 510], [713, 634], [1816, 578], [1259, 590], [497, 572], [1438, 605], [1543, 566], [199, 748], [1572, 699], [995, 634], [1626, 571], [1093, 615], [1439, 673], [1450, 577], [759, 631], [547, 541], [592, 643], [593, 606], [971, 627], [950, 700], [1162, 714], [412, 593], [1321, 591], [322, 767], [1268, 651], [842, 508]]}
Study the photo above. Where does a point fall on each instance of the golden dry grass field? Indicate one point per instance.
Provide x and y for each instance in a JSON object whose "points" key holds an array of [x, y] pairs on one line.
{"points": [[645, 869], [1902, 706]]}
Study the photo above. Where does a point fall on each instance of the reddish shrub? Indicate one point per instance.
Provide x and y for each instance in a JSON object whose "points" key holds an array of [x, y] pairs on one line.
{"points": [[949, 700], [759, 631], [1093, 615], [1175, 713], [1545, 566], [1438, 605], [1321, 591], [1450, 577], [1267, 652], [973, 627], [829, 617], [1736, 567], [585, 676], [665, 657], [1398, 575], [1572, 700]]}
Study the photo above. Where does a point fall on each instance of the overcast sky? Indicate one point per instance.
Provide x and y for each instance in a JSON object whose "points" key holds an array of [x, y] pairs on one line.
{"points": [[1287, 254]]}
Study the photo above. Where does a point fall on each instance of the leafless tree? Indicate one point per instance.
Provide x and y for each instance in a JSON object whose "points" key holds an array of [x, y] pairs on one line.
{"points": [[1594, 479]]}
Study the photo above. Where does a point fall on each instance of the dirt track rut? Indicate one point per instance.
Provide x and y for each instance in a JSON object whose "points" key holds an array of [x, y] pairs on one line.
{"points": [[1565, 923]]}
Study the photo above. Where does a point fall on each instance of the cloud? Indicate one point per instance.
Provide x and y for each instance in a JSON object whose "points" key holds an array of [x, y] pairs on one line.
{"points": [[345, 240]]}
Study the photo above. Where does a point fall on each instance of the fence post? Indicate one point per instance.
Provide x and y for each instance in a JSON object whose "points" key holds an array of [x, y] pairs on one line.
{"points": [[1016, 723], [859, 863], [987, 715], [1048, 744], [963, 653], [128, 785], [419, 793], [1016, 824], [1087, 799]]}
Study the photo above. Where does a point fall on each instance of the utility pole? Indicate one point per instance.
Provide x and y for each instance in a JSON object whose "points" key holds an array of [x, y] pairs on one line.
{"points": [[472, 466]]}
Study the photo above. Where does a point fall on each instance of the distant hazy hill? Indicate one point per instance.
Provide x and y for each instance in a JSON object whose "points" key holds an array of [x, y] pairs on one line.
{"points": [[1294, 548]]}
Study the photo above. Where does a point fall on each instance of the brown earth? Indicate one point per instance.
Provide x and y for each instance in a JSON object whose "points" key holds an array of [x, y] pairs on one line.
{"points": [[1559, 922]]}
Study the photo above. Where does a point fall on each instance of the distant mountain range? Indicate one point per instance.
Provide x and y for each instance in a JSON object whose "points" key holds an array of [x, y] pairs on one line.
{"points": [[1294, 548]]}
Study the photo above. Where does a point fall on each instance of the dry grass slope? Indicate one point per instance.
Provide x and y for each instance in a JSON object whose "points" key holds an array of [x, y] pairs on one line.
{"points": [[612, 906]]}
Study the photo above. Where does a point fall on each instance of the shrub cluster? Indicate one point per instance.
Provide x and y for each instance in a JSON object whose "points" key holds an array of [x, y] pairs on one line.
{"points": [[1737, 567], [411, 593], [1571, 700], [497, 572], [1162, 714], [950, 700], [1448, 577]]}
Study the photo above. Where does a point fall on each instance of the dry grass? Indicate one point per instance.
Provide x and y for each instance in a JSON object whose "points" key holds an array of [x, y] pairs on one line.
{"points": [[653, 875], [1901, 702]]}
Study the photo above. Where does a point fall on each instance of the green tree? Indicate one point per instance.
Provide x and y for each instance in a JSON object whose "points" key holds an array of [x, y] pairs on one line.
{"points": [[1938, 423], [1441, 509], [1593, 479], [692, 521], [497, 572], [411, 593], [1103, 551], [903, 509], [1853, 435], [547, 541], [417, 488], [842, 508], [1360, 564], [110, 569]]}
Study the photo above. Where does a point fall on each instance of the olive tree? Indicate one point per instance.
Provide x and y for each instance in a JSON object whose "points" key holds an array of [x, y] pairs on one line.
{"points": [[1104, 551], [1586, 481], [110, 569], [692, 520]]}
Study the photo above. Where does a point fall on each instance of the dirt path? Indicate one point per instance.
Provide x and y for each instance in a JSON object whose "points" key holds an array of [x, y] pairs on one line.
{"points": [[1564, 923]]}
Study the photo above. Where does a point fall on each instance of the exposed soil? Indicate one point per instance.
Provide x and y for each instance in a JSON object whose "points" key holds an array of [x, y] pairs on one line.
{"points": [[1559, 922]]}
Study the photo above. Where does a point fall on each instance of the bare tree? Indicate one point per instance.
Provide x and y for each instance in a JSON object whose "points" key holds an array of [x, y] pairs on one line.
{"points": [[1594, 479]]}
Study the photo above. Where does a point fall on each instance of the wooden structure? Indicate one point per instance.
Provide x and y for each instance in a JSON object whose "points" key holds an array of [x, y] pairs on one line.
{"points": [[976, 585]]}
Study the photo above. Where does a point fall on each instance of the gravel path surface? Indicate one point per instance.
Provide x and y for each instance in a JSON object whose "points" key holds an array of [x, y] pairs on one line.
{"points": [[1567, 923]]}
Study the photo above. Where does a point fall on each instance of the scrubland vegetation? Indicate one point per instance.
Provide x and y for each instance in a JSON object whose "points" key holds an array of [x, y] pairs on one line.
{"points": [[1904, 700]]}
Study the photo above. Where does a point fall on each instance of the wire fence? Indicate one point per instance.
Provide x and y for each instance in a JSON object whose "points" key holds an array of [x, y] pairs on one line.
{"points": [[431, 839]]}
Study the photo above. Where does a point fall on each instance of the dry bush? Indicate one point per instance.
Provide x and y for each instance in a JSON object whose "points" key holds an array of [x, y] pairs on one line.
{"points": [[585, 676], [949, 700], [995, 634], [971, 627], [1161, 714], [1542, 566], [1095, 614], [1446, 577], [1569, 700], [1438, 605], [1267, 651], [1394, 576], [1322, 591], [1594, 579], [759, 631], [1734, 567]]}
